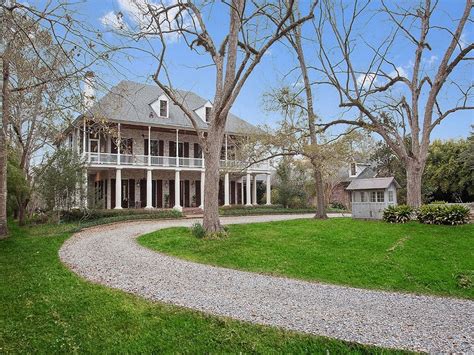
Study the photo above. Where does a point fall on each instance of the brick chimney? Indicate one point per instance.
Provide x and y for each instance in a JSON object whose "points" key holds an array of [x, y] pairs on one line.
{"points": [[89, 90]]}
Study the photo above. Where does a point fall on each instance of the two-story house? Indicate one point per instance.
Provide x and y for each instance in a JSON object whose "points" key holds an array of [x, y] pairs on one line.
{"points": [[153, 158]]}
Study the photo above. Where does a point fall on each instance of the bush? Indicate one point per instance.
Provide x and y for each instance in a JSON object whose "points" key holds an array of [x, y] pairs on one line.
{"points": [[198, 231], [337, 205], [397, 214], [443, 214], [76, 215]]}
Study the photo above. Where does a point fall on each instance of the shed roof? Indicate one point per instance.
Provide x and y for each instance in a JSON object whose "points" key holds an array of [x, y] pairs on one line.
{"points": [[130, 102], [372, 183]]}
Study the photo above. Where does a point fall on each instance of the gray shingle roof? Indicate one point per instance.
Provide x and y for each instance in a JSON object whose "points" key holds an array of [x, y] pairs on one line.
{"points": [[371, 184], [130, 102]]}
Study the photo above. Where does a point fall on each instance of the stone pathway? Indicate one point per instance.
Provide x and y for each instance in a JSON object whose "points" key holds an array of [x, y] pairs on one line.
{"points": [[110, 255]]}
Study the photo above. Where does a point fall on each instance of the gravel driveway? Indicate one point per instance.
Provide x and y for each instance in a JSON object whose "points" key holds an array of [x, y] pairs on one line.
{"points": [[110, 255]]}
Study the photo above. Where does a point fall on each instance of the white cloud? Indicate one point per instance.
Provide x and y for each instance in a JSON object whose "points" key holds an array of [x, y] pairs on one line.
{"points": [[399, 71], [113, 20], [367, 80], [431, 60], [137, 14], [463, 41]]}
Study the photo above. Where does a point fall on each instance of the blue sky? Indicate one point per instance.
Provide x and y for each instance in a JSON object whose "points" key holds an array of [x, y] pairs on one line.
{"points": [[270, 72]]}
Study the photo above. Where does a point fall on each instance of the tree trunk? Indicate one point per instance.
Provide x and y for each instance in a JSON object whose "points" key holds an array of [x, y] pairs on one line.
{"points": [[22, 212], [3, 146], [320, 200], [211, 222], [414, 176]]}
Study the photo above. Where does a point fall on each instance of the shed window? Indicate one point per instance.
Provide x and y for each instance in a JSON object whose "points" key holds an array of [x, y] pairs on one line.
{"points": [[377, 196], [373, 196], [163, 108], [208, 113], [362, 196], [390, 196]]}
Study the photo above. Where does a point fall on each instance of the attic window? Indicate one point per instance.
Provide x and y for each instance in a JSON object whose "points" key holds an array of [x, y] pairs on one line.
{"points": [[353, 169], [208, 113], [163, 108]]}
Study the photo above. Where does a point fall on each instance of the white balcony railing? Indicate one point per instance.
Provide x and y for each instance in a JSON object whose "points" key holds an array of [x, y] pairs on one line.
{"points": [[142, 160]]}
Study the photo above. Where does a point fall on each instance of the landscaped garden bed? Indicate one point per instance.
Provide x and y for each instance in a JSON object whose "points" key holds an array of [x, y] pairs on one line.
{"points": [[409, 257]]}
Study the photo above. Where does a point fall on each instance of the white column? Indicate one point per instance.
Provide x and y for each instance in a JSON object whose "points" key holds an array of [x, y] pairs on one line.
{"points": [[148, 189], [249, 203], [84, 138], [177, 148], [109, 191], [226, 149], [242, 190], [119, 143], [177, 194], [226, 189], [118, 189], [269, 190], [203, 177], [254, 197], [149, 146]]}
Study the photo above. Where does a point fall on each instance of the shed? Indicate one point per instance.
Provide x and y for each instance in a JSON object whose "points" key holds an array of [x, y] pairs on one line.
{"points": [[371, 196]]}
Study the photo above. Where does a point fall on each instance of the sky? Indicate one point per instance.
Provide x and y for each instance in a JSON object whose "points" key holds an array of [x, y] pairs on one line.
{"points": [[273, 71]]}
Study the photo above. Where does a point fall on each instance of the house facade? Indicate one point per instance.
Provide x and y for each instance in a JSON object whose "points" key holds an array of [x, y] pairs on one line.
{"points": [[141, 151]]}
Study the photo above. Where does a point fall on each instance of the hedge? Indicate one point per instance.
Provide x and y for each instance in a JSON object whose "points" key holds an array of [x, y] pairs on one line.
{"points": [[443, 214]]}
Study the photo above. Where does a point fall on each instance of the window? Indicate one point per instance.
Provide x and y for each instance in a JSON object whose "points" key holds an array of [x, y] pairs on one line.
{"points": [[362, 196], [373, 196], [390, 196], [208, 113], [163, 108], [380, 196], [377, 196], [353, 169]]}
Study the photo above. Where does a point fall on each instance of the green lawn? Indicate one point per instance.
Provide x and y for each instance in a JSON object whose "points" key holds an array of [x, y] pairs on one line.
{"points": [[370, 254], [46, 308]]}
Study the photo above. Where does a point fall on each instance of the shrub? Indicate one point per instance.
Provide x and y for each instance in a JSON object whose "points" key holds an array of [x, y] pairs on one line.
{"points": [[337, 205], [198, 230], [397, 214], [76, 215], [443, 214]]}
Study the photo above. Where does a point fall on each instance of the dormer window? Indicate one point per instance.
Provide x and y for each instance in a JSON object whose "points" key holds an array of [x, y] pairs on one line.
{"points": [[208, 113], [163, 108], [353, 169]]}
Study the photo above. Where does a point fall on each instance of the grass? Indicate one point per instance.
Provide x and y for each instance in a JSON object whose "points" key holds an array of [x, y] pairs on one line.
{"points": [[45, 308], [413, 257]]}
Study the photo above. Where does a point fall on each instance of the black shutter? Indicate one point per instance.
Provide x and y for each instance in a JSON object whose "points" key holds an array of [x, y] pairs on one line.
{"points": [[186, 149], [161, 148], [145, 147]]}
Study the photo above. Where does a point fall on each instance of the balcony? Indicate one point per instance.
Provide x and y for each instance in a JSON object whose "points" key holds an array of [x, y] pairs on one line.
{"points": [[111, 159]]}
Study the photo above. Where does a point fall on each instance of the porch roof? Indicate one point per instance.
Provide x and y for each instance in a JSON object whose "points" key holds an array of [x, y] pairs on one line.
{"points": [[372, 184]]}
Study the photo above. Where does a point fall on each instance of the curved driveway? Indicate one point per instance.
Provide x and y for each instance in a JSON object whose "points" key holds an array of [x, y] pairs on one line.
{"points": [[110, 255]]}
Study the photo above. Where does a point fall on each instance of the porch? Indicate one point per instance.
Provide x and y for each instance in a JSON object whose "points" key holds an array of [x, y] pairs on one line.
{"points": [[158, 188]]}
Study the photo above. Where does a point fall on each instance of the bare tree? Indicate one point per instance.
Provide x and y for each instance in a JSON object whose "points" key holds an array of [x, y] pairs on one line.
{"points": [[249, 36], [399, 107], [79, 46]]}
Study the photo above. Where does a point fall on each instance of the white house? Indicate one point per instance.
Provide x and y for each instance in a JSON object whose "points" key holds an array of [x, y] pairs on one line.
{"points": [[371, 196], [159, 162]]}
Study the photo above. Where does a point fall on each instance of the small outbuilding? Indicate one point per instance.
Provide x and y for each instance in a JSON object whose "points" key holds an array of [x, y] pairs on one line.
{"points": [[371, 196]]}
